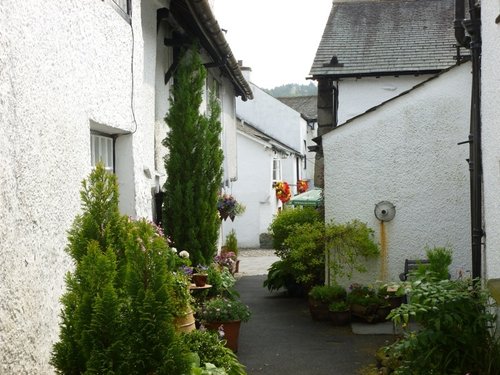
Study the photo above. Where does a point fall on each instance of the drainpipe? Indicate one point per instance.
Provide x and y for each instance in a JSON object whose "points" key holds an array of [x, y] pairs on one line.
{"points": [[473, 28]]}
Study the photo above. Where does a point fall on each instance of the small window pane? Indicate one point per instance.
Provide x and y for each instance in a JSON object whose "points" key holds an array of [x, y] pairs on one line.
{"points": [[102, 150]]}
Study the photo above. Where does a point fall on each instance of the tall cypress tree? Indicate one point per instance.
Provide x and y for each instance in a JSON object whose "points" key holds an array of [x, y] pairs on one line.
{"points": [[193, 164]]}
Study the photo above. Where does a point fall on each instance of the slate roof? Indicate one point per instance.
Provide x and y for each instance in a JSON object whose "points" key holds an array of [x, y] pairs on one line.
{"points": [[379, 37], [305, 105]]}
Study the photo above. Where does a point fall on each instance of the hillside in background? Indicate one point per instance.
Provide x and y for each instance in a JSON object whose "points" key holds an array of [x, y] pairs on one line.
{"points": [[293, 89]]}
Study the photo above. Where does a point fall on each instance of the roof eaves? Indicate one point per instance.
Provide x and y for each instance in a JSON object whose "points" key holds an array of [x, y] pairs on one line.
{"points": [[202, 12]]}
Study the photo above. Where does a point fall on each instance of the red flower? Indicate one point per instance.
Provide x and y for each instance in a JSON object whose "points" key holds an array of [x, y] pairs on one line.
{"points": [[283, 192], [302, 186]]}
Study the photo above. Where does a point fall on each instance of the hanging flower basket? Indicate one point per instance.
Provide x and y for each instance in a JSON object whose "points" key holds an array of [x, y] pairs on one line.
{"points": [[228, 207], [302, 186], [283, 192]]}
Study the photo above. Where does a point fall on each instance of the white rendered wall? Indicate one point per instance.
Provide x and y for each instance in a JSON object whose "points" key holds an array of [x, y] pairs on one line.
{"points": [[491, 134], [406, 152], [253, 189], [63, 64], [356, 95], [272, 117]]}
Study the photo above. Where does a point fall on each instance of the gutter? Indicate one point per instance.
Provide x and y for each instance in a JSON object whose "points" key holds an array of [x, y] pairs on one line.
{"points": [[202, 12]]}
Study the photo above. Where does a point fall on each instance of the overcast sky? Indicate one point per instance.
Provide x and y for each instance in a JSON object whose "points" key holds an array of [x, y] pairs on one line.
{"points": [[276, 38]]}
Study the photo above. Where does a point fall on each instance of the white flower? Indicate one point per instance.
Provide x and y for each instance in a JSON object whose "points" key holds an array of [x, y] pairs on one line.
{"points": [[184, 254], [174, 250]]}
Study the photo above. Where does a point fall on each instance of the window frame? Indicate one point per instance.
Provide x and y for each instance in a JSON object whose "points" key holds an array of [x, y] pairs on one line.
{"points": [[99, 135], [277, 167]]}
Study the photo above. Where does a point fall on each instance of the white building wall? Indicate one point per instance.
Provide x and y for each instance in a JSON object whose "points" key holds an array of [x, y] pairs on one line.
{"points": [[253, 189], [356, 95], [67, 68], [406, 152], [490, 87], [272, 117]]}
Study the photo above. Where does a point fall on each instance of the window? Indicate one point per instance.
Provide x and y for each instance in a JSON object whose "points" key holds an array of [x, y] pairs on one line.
{"points": [[277, 169], [102, 149]]}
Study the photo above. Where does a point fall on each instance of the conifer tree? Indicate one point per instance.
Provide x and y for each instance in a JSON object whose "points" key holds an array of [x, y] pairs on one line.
{"points": [[193, 164], [116, 316]]}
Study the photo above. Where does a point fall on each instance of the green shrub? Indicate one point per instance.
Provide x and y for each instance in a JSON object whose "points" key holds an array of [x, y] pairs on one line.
{"points": [[285, 221], [455, 335], [306, 254], [349, 244], [232, 242], [211, 349], [279, 276], [328, 293], [117, 308], [437, 269]]}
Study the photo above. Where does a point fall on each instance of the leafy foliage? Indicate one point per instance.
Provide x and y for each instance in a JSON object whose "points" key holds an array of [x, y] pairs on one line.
{"points": [[116, 314], [456, 335], [349, 244], [284, 223], [211, 349], [328, 293], [193, 164]]}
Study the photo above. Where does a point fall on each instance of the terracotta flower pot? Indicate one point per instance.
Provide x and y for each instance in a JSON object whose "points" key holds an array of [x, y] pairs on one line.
{"points": [[200, 279], [231, 332]]}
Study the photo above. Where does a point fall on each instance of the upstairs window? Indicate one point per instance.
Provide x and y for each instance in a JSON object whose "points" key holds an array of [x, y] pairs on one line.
{"points": [[102, 149], [277, 170]]}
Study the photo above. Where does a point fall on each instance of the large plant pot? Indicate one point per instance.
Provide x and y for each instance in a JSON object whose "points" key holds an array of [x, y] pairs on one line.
{"points": [[319, 310], [367, 313], [340, 318], [395, 301], [200, 279], [186, 322], [231, 332]]}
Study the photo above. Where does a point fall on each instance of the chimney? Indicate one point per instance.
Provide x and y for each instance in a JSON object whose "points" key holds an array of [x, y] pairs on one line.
{"points": [[245, 70]]}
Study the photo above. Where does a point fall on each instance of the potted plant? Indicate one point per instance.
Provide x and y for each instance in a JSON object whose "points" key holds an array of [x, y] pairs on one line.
{"points": [[229, 207], [182, 302], [223, 314], [364, 302], [283, 192], [231, 246], [321, 296], [340, 313], [392, 293], [200, 275]]}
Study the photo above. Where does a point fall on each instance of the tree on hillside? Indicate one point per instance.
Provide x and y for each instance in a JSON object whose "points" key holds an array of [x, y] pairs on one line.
{"points": [[193, 164]]}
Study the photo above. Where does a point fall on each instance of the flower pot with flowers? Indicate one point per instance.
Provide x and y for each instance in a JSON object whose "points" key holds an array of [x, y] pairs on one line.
{"points": [[200, 275], [229, 207], [283, 192], [224, 314]]}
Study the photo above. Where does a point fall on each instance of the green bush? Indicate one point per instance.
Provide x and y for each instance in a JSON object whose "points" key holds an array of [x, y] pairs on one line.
{"points": [[306, 254], [280, 276], [211, 349], [328, 293], [455, 335], [232, 242], [117, 308], [349, 244], [284, 223]]}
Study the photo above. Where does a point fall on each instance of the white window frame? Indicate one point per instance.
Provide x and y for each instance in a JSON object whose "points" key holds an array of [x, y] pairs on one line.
{"points": [[102, 149], [277, 170]]}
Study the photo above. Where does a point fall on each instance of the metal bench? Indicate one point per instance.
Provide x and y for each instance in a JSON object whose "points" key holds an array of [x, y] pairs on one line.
{"points": [[411, 265]]}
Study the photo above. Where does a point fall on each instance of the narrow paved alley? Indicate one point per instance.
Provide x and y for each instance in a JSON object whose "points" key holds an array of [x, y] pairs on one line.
{"points": [[281, 338]]}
